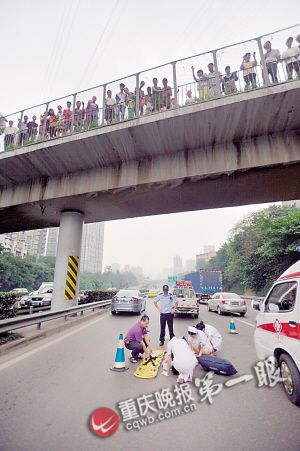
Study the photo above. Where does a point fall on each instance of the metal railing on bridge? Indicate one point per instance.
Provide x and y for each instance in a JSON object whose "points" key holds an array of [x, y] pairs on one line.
{"points": [[237, 68], [7, 325]]}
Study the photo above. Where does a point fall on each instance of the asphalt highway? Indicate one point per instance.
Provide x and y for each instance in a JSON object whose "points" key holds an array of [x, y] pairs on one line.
{"points": [[49, 389]]}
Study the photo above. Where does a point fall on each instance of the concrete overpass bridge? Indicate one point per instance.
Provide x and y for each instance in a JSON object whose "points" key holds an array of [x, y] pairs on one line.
{"points": [[233, 150], [236, 150]]}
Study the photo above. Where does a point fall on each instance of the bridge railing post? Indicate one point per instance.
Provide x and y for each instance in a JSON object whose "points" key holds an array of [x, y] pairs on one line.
{"points": [[44, 126], [73, 114], [218, 81], [263, 63], [19, 138], [103, 104], [175, 83], [137, 95]]}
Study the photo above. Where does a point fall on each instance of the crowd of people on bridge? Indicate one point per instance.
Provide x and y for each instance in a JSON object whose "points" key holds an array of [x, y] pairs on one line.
{"points": [[127, 104]]}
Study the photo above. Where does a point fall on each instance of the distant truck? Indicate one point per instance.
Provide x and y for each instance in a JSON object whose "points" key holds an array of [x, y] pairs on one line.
{"points": [[187, 302], [205, 282]]}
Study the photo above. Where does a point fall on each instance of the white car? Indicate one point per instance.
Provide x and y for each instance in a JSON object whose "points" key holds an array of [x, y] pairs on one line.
{"points": [[227, 303], [38, 298], [277, 332]]}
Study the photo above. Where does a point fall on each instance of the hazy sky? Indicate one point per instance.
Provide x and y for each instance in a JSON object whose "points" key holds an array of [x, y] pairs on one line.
{"points": [[51, 50]]}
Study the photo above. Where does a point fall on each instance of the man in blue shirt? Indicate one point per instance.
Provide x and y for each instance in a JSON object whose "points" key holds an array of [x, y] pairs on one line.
{"points": [[165, 304]]}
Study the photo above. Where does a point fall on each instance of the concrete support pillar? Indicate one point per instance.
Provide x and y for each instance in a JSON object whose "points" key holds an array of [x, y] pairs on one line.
{"points": [[66, 276]]}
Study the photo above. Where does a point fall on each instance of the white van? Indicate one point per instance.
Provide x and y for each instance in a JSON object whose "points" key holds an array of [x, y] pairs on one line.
{"points": [[277, 330]]}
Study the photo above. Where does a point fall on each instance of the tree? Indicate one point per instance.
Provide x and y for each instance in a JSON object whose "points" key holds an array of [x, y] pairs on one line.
{"points": [[261, 247]]}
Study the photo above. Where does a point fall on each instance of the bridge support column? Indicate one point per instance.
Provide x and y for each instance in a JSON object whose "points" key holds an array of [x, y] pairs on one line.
{"points": [[66, 276]]}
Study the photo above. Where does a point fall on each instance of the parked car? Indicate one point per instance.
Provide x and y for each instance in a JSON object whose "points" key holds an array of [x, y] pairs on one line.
{"points": [[128, 301], [227, 303], [22, 302], [39, 299]]}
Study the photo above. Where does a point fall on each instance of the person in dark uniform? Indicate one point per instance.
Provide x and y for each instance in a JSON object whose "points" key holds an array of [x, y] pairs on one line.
{"points": [[165, 304]]}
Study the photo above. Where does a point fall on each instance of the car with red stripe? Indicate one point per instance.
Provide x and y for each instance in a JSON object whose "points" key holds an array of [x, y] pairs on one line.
{"points": [[277, 330]]}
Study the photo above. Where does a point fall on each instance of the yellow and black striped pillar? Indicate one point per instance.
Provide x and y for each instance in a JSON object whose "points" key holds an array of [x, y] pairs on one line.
{"points": [[71, 280]]}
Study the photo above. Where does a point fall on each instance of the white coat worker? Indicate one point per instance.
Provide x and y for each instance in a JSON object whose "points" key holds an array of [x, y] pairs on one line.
{"points": [[214, 342], [198, 341], [180, 355]]}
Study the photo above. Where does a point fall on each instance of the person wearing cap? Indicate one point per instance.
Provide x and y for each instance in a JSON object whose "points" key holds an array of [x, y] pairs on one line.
{"points": [[214, 338], [196, 339], [165, 304], [180, 355], [137, 339]]}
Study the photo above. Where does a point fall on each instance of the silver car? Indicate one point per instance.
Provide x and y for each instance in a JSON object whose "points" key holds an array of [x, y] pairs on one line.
{"points": [[227, 303], [128, 301]]}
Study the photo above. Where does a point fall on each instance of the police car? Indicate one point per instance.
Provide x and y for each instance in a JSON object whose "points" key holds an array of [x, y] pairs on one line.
{"points": [[277, 330]]}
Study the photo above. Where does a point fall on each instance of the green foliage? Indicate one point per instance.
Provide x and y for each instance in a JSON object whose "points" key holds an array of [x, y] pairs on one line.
{"points": [[8, 308], [107, 280], [29, 272], [259, 249], [99, 295]]}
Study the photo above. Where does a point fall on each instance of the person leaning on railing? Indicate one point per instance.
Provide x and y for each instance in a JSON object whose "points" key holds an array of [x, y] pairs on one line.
{"points": [[10, 133], [272, 56], [213, 79], [291, 58], [110, 107], [32, 129], [248, 68], [202, 83], [228, 82], [23, 130]]}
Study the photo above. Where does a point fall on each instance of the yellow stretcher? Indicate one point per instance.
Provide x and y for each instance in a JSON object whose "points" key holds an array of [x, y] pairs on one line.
{"points": [[149, 367]]}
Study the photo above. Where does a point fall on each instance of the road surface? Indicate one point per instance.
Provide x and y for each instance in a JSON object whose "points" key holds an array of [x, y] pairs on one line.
{"points": [[50, 388]]}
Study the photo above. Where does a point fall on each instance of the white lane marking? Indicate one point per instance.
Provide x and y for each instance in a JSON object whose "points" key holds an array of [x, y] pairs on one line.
{"points": [[245, 322], [11, 362]]}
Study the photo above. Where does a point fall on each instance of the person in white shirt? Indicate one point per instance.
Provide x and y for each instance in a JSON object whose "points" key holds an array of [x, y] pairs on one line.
{"points": [[110, 103], [290, 57], [214, 337], [190, 100], [121, 99], [213, 79], [272, 56], [180, 355], [10, 133]]}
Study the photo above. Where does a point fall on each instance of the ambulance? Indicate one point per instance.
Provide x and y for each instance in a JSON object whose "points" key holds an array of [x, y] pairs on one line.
{"points": [[277, 331]]}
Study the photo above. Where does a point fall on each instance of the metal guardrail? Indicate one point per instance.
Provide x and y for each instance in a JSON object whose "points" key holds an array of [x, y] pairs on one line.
{"points": [[172, 85], [10, 324]]}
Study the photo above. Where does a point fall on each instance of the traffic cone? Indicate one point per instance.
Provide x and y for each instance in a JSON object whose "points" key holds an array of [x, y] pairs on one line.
{"points": [[232, 329], [120, 357]]}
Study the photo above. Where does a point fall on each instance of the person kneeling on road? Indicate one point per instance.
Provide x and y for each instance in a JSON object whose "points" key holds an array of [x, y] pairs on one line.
{"points": [[180, 355], [214, 338], [137, 339]]}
